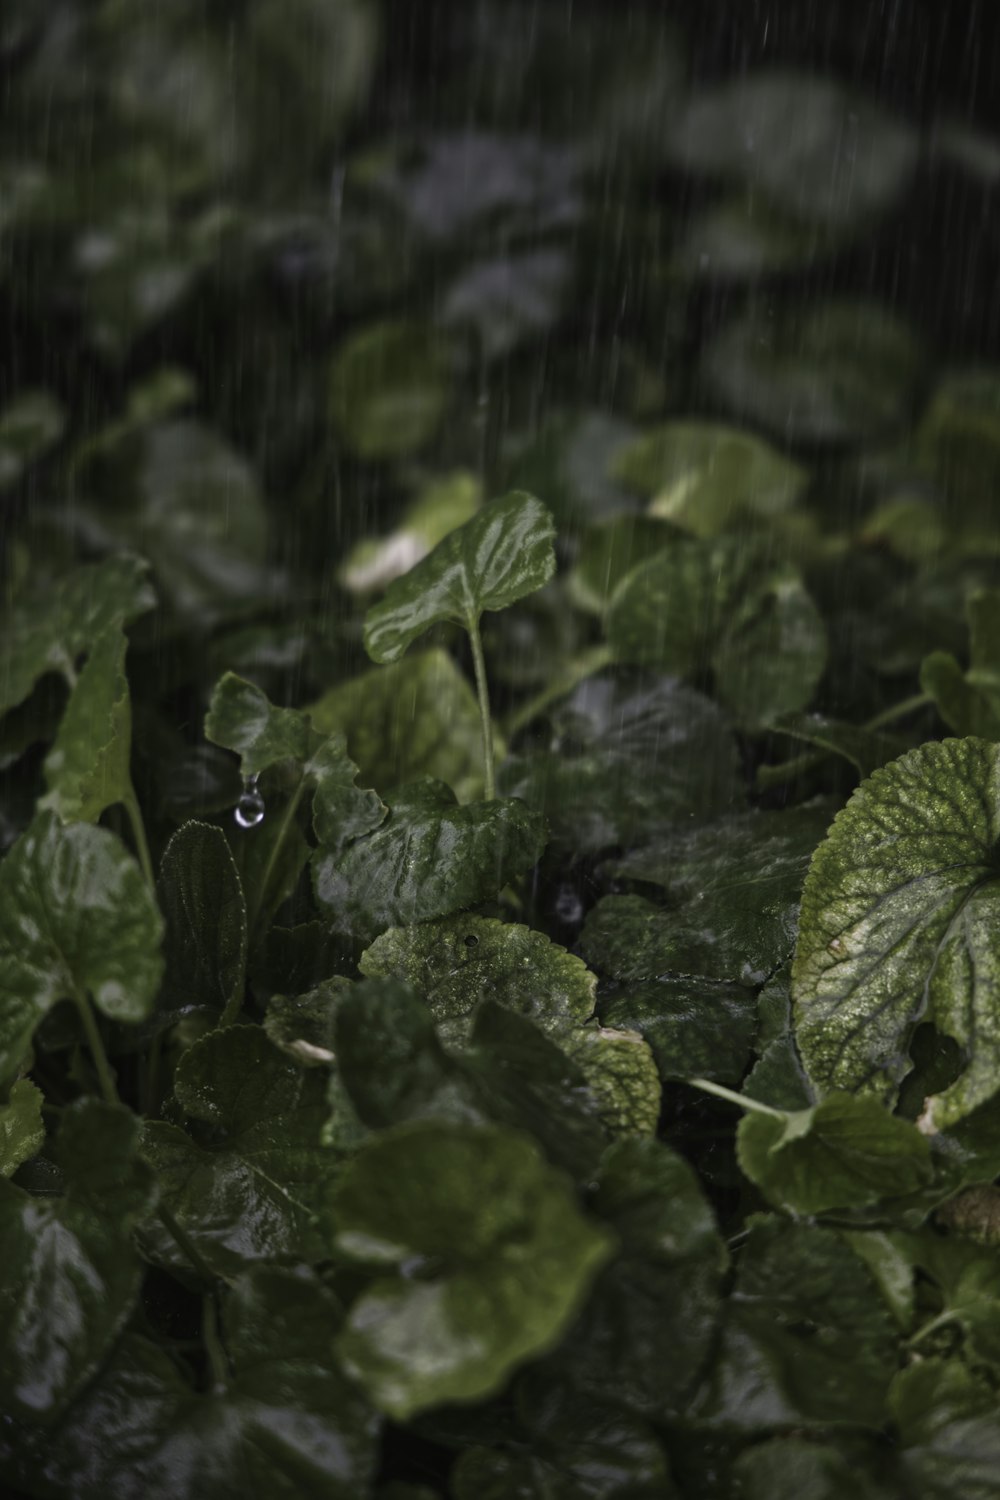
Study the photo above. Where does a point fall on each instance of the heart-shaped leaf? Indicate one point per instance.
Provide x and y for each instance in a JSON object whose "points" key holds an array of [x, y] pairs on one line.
{"points": [[502, 554]]}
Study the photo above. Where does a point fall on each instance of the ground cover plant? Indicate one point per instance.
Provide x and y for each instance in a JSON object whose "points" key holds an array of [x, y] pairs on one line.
{"points": [[499, 762]]}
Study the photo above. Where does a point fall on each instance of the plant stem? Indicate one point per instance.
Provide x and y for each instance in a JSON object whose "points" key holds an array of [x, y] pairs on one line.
{"points": [[743, 1100], [265, 880], [105, 1076], [941, 1321], [217, 1362], [577, 670], [131, 806], [769, 776], [185, 1244], [479, 663]]}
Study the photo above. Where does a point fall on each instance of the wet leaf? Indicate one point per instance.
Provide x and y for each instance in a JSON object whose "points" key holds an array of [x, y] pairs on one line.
{"points": [[201, 898], [29, 426], [431, 857], [285, 1424], [700, 604], [76, 918], [502, 554], [72, 1275], [897, 916], [411, 719], [247, 1188], [592, 781], [844, 1152], [50, 629], [491, 1259], [22, 1132], [87, 769]]}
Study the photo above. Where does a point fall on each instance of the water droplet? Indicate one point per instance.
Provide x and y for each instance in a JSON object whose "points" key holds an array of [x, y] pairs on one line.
{"points": [[250, 808]]}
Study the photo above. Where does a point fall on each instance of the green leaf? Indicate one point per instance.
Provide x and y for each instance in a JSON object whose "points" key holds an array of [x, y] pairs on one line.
{"points": [[304, 1025], [897, 926], [87, 769], [201, 898], [694, 1027], [29, 426], [440, 506], [241, 718], [564, 1447], [197, 513], [457, 963], [807, 1340], [389, 389], [246, 1184], [491, 1255], [394, 1069], [734, 886], [609, 551], [722, 604], [22, 1132], [845, 1152], [784, 133], [836, 372], [866, 749], [430, 858], [407, 720], [71, 1275], [49, 629], [502, 554], [794, 1468], [76, 918], [284, 1425], [662, 1290], [948, 1431], [706, 477], [592, 781], [969, 702]]}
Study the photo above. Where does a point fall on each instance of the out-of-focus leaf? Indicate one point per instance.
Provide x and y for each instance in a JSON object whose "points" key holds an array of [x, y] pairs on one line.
{"points": [[814, 148], [76, 919], [71, 1273], [30, 425], [842, 372], [866, 749], [706, 477], [389, 389], [490, 1253], [625, 760], [285, 1425], [969, 702], [439, 508], [508, 300]]}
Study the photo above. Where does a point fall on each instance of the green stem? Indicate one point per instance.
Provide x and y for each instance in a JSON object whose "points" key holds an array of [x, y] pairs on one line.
{"points": [[576, 671], [105, 1076], [479, 663], [769, 776], [743, 1100], [217, 1362], [230, 1013], [185, 1244], [941, 1321], [131, 806]]}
